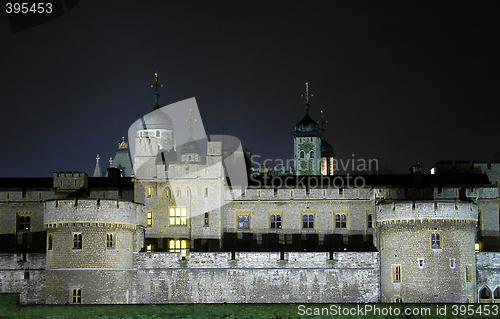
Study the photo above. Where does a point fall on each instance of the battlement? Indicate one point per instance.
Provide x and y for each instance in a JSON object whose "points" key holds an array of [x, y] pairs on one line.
{"points": [[389, 212], [70, 180], [92, 210], [272, 194]]}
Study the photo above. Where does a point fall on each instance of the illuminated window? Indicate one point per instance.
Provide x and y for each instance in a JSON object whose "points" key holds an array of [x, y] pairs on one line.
{"points": [[24, 222], [150, 191], [275, 221], [110, 241], [149, 247], [308, 221], [149, 219], [370, 221], [76, 296], [206, 219], [178, 216], [49, 242], [468, 273], [435, 240], [396, 273], [243, 222], [77, 241], [178, 246], [341, 221]]}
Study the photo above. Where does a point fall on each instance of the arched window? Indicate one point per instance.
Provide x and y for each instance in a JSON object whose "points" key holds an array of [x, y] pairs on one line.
{"points": [[485, 294], [496, 295], [302, 154], [157, 133], [167, 192], [370, 221], [311, 154]]}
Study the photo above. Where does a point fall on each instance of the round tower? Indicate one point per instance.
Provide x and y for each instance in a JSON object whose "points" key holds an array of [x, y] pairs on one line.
{"points": [[90, 246], [427, 251]]}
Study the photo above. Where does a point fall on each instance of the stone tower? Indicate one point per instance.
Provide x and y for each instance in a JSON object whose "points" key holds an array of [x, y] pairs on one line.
{"points": [[90, 246], [427, 250], [307, 143]]}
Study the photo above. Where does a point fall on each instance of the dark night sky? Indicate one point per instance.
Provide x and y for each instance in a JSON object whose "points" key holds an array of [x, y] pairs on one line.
{"points": [[398, 81]]}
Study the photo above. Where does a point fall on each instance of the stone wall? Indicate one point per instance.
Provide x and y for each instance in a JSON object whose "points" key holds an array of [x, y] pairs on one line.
{"points": [[488, 271], [25, 276], [256, 278]]}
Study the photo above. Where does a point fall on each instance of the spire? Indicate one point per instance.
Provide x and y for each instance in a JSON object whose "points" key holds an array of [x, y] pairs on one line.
{"points": [[157, 95], [97, 170]]}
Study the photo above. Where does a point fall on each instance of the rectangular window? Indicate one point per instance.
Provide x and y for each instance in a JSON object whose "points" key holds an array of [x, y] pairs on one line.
{"points": [[77, 241], [149, 219], [76, 296], [243, 221], [275, 221], [396, 273], [206, 191], [341, 191], [150, 191], [178, 216], [178, 246], [206, 220], [49, 242], [340, 221], [7, 195], [27, 275], [110, 241], [468, 273], [435, 240], [40, 195], [452, 263], [370, 221]]}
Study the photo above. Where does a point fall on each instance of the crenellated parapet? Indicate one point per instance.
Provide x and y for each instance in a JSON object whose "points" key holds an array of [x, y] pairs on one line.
{"points": [[57, 213], [421, 211]]}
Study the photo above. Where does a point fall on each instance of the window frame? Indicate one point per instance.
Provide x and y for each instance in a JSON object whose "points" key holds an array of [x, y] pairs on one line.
{"points": [[436, 239], [308, 218], [76, 295], [77, 243], [179, 216], [396, 273], [110, 240]]}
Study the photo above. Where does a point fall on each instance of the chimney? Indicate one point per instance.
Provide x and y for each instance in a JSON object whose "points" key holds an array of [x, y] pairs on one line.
{"points": [[416, 173]]}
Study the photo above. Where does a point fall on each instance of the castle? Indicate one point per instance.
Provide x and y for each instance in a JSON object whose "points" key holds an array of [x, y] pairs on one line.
{"points": [[182, 232]]}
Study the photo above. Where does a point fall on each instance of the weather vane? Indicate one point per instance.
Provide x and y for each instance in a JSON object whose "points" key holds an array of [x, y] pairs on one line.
{"points": [[306, 94], [156, 91]]}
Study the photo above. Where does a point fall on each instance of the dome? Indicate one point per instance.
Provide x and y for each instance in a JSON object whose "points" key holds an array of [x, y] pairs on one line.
{"points": [[326, 149], [156, 120], [190, 146], [307, 126]]}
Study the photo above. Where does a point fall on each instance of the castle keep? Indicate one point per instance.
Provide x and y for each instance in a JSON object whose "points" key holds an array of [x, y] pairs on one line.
{"points": [[181, 231]]}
